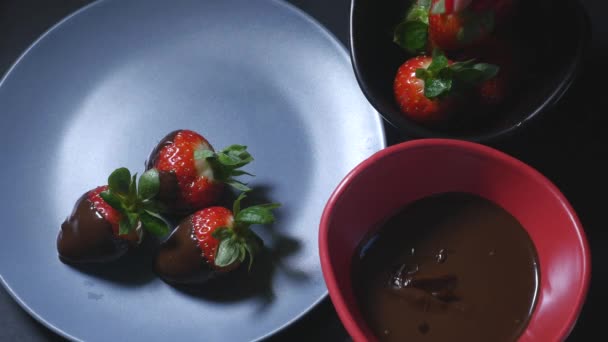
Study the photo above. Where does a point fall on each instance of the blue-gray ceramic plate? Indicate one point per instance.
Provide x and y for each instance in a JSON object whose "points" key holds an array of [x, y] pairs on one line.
{"points": [[105, 85]]}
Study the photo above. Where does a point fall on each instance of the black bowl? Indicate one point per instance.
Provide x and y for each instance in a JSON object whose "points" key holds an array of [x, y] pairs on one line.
{"points": [[551, 39]]}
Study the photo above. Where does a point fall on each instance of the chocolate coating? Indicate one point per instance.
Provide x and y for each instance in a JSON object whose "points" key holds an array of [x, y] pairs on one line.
{"points": [[180, 260], [169, 194], [86, 237], [450, 267], [166, 141]]}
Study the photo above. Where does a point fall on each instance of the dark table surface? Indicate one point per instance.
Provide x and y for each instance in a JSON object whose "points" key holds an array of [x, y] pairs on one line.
{"points": [[568, 145]]}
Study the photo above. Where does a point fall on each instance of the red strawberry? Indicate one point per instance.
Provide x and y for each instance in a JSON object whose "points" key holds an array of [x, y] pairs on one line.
{"points": [[212, 241], [109, 219], [453, 31], [409, 93], [192, 174], [110, 214], [426, 89], [498, 52]]}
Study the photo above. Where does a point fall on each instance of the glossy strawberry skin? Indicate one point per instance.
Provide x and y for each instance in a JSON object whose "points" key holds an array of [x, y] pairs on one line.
{"points": [[443, 31], [204, 223], [109, 214], [183, 188], [409, 94]]}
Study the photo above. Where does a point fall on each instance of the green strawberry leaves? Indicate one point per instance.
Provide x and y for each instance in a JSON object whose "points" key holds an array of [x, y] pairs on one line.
{"points": [[437, 78], [135, 203], [237, 184], [153, 223], [119, 180], [236, 246], [436, 87], [228, 252], [226, 164], [259, 214], [149, 184], [111, 199], [234, 156], [473, 73], [203, 154], [412, 33], [239, 242], [412, 36], [442, 79]]}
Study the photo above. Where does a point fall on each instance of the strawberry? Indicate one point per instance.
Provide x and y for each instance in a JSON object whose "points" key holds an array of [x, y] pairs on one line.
{"points": [[427, 89], [498, 52], [456, 30], [109, 219], [102, 207], [409, 93], [211, 242], [192, 174]]}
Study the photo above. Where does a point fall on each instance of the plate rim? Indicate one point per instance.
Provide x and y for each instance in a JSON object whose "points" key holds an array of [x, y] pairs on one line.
{"points": [[287, 6]]}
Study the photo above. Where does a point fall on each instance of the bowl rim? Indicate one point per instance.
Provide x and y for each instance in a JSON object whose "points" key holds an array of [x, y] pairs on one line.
{"points": [[413, 130], [328, 273]]}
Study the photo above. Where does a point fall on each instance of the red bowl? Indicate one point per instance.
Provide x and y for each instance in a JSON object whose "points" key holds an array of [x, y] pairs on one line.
{"points": [[401, 174]]}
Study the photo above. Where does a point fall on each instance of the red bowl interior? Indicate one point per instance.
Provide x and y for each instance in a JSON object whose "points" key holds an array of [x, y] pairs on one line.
{"points": [[401, 174]]}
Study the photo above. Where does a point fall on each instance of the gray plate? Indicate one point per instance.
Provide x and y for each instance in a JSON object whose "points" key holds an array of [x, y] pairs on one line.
{"points": [[101, 88]]}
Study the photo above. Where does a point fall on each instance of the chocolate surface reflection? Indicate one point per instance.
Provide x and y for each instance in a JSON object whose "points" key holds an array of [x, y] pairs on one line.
{"points": [[86, 236], [452, 267]]}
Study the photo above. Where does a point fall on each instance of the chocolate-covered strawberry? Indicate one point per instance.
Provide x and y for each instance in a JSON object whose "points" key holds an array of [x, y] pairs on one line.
{"points": [[109, 219], [192, 175], [212, 241]]}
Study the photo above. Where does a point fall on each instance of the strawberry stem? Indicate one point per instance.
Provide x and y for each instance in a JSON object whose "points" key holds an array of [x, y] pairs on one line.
{"points": [[412, 32], [442, 79], [136, 207], [226, 164], [239, 242]]}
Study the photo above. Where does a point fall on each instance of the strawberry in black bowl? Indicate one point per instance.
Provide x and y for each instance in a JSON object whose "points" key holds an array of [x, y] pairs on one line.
{"points": [[430, 89], [533, 57], [212, 242]]}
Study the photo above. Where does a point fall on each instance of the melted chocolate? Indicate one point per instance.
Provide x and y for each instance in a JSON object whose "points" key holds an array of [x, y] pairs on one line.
{"points": [[180, 260], [166, 141], [452, 267], [170, 194], [85, 236]]}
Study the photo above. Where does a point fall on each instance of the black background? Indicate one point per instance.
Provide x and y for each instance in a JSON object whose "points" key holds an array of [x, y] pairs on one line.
{"points": [[568, 145]]}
